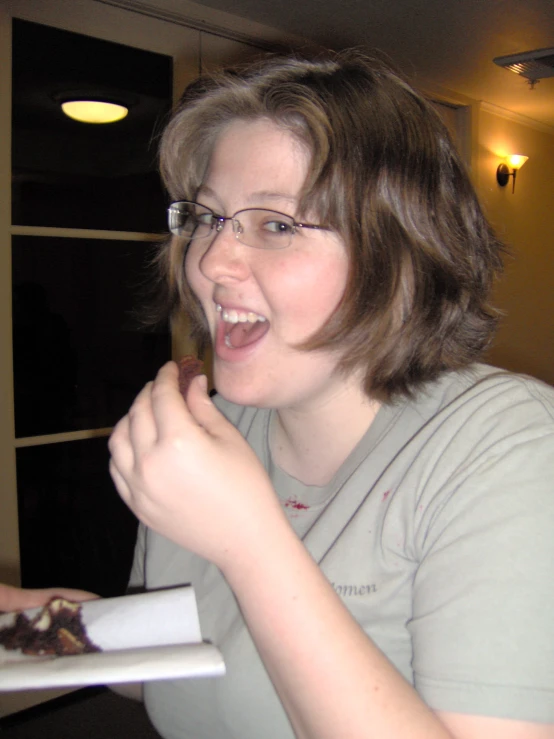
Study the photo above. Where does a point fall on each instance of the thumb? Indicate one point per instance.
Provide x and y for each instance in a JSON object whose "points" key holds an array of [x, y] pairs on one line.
{"points": [[202, 408]]}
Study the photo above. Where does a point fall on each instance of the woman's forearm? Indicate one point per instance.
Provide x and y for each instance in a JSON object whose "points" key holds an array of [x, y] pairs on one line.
{"points": [[332, 680]]}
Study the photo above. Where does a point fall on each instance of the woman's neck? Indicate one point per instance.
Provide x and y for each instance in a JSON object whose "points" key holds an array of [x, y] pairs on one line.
{"points": [[312, 443]]}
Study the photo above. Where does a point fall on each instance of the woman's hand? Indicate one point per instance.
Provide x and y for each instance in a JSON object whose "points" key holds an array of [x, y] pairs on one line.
{"points": [[187, 473], [19, 599]]}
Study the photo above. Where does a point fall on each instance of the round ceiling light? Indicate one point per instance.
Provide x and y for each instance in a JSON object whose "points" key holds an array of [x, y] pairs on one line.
{"points": [[94, 111]]}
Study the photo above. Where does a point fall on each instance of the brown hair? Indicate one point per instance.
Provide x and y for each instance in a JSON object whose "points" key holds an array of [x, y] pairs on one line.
{"points": [[384, 175]]}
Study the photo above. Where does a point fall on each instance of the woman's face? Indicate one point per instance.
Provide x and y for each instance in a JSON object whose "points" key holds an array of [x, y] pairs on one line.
{"points": [[259, 303]]}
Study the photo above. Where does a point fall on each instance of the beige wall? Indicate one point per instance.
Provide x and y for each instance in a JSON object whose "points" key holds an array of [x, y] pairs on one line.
{"points": [[525, 220], [9, 537]]}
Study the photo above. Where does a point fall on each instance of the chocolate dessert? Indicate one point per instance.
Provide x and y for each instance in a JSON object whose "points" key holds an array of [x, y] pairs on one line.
{"points": [[56, 630], [189, 367]]}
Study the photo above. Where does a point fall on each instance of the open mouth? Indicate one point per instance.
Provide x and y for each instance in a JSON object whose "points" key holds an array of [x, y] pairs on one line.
{"points": [[242, 328]]}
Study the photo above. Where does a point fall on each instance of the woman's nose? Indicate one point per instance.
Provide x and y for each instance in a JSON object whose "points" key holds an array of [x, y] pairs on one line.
{"points": [[224, 258]]}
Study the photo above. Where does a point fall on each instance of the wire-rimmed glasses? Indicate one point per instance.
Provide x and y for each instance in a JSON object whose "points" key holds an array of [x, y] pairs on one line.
{"points": [[256, 227]]}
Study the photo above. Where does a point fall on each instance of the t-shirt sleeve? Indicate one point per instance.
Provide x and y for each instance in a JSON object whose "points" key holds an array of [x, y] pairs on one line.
{"points": [[483, 607]]}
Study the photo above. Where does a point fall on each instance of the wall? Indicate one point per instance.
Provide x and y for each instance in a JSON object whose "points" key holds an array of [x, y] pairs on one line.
{"points": [[525, 220], [9, 537]]}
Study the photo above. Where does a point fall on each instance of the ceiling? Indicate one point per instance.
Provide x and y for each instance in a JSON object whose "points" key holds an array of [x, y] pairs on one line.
{"points": [[444, 43]]}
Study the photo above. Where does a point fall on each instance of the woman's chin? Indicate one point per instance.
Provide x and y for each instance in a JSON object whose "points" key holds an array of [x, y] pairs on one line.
{"points": [[234, 389]]}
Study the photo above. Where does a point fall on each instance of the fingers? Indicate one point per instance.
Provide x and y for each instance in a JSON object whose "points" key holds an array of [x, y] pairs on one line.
{"points": [[137, 433], [134, 434], [119, 481], [158, 414], [141, 426], [71, 594], [158, 409], [170, 412], [122, 455], [18, 599]]}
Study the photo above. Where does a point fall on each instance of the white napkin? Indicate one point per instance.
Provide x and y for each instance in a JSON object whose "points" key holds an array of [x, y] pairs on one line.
{"points": [[150, 636]]}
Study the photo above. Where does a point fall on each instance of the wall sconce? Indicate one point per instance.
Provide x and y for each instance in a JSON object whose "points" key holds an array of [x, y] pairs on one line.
{"points": [[503, 174]]}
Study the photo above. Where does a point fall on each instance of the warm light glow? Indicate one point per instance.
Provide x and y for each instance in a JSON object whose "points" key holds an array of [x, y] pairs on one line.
{"points": [[94, 111], [516, 161]]}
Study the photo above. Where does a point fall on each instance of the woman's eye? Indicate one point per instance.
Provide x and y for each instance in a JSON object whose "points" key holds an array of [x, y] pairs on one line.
{"points": [[203, 219], [277, 227]]}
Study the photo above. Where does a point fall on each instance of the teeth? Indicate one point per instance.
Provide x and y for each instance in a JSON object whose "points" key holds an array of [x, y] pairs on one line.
{"points": [[237, 316]]}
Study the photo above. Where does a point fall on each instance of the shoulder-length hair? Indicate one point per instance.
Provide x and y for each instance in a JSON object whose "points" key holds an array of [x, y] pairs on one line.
{"points": [[386, 176]]}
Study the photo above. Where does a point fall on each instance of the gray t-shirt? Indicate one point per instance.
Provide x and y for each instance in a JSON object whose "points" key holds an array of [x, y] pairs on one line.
{"points": [[438, 534]]}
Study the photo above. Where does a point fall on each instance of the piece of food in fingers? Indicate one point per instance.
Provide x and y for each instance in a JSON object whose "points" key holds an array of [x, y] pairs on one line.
{"points": [[57, 629], [189, 368]]}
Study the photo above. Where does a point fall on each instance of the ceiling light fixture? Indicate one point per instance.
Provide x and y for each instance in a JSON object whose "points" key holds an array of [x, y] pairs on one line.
{"points": [[95, 105], [513, 162], [94, 111]]}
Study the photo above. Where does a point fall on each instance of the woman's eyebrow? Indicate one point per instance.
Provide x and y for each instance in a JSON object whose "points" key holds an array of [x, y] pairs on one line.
{"points": [[205, 190], [272, 195], [254, 197]]}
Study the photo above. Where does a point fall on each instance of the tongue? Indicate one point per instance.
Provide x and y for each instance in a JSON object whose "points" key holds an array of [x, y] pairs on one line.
{"points": [[243, 334]]}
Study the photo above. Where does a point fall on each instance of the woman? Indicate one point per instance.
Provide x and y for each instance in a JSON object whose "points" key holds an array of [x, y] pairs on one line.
{"points": [[364, 512]]}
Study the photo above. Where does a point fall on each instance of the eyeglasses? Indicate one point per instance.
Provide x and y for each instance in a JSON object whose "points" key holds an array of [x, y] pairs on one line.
{"points": [[257, 227]]}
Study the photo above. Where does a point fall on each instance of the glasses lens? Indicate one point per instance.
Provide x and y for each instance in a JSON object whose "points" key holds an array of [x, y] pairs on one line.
{"points": [[188, 219], [264, 229]]}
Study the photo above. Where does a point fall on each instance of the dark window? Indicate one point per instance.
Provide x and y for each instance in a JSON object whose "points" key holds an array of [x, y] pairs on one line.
{"points": [[81, 350], [78, 175], [74, 529]]}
